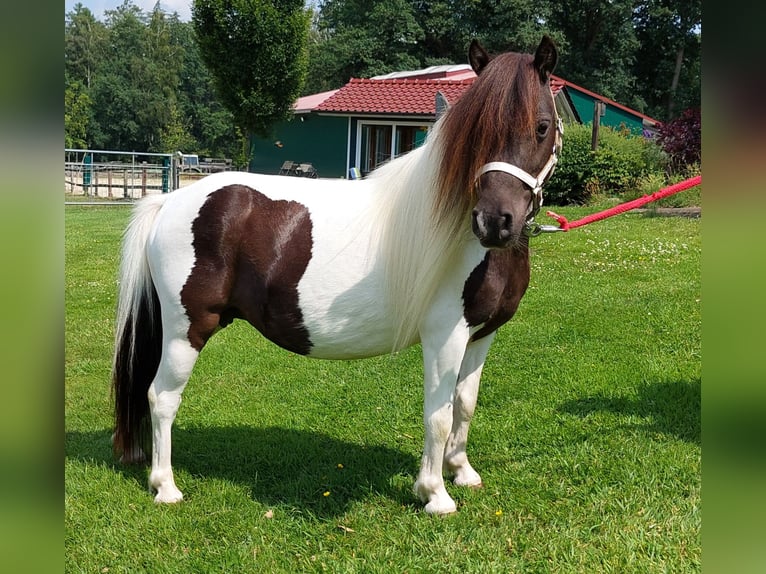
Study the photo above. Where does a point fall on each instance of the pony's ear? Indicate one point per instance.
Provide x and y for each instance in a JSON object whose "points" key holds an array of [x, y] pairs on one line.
{"points": [[441, 104], [477, 56], [546, 57]]}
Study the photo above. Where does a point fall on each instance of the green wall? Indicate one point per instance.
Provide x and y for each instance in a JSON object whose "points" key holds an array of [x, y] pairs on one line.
{"points": [[306, 138], [613, 117]]}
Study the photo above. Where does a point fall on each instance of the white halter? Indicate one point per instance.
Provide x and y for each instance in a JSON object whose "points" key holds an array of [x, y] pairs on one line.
{"points": [[535, 183]]}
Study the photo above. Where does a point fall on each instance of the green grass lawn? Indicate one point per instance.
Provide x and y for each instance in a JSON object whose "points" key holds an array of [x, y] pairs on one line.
{"points": [[587, 431]]}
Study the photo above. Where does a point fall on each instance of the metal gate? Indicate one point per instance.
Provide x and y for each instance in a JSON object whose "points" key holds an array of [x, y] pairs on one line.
{"points": [[118, 174]]}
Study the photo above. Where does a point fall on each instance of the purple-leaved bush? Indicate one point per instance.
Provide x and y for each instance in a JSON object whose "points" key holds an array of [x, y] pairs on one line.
{"points": [[681, 139]]}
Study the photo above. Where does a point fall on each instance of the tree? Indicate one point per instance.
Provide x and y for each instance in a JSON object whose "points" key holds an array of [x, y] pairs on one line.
{"points": [[600, 47], [84, 44], [134, 91], [162, 63], [119, 91], [504, 25], [209, 124], [668, 58], [76, 115], [446, 33], [355, 38], [256, 52], [136, 82], [361, 39], [175, 135]]}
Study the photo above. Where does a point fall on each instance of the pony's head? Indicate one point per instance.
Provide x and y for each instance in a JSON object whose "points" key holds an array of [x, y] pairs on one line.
{"points": [[500, 142]]}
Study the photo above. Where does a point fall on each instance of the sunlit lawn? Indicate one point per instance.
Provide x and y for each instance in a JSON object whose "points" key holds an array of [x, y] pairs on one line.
{"points": [[587, 432]]}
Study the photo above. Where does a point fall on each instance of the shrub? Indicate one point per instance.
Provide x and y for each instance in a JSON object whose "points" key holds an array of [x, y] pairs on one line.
{"points": [[681, 139], [653, 182], [620, 160]]}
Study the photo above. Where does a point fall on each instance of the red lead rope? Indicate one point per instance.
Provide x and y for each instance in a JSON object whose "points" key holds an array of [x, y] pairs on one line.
{"points": [[623, 207]]}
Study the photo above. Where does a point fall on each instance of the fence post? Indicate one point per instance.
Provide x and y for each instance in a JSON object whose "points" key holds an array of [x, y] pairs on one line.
{"points": [[87, 172], [599, 109], [175, 162], [165, 173]]}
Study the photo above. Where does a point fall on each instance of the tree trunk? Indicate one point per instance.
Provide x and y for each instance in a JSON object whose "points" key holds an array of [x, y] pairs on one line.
{"points": [[674, 83]]}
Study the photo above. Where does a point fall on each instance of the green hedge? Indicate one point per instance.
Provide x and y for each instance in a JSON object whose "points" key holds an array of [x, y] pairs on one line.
{"points": [[618, 164]]}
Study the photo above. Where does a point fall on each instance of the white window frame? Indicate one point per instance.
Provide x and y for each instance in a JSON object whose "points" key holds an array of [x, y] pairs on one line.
{"points": [[394, 124]]}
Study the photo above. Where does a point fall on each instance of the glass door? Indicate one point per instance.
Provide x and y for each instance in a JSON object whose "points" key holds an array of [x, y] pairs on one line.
{"points": [[376, 146]]}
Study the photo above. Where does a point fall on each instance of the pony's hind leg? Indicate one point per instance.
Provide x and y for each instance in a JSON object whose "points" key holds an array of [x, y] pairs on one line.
{"points": [[466, 393], [178, 358]]}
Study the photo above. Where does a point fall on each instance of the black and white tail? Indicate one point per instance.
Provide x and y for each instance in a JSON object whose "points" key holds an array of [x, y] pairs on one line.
{"points": [[138, 336]]}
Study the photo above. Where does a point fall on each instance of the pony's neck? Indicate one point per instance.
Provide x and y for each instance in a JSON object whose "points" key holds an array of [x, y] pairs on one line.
{"points": [[416, 247]]}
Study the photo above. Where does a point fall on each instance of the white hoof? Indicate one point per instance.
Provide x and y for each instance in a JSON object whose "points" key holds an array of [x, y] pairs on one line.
{"points": [[168, 495], [167, 491], [467, 476], [441, 507], [436, 498]]}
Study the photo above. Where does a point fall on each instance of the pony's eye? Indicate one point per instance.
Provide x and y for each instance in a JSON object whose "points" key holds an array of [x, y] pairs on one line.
{"points": [[542, 128]]}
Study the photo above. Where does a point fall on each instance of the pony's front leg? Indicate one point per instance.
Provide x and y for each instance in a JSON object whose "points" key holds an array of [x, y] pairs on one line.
{"points": [[442, 356], [178, 358], [466, 393]]}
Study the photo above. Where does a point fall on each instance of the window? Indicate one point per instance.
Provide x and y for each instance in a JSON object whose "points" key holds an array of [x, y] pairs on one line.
{"points": [[379, 142], [376, 146]]}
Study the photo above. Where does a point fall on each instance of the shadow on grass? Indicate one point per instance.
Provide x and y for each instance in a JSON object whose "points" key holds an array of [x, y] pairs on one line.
{"points": [[280, 466], [672, 408]]}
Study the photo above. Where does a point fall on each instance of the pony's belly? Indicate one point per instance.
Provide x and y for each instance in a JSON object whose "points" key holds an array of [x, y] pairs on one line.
{"points": [[351, 339], [342, 301]]}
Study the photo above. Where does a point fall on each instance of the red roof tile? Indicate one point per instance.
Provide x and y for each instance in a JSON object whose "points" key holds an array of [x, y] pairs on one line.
{"points": [[399, 96], [393, 96]]}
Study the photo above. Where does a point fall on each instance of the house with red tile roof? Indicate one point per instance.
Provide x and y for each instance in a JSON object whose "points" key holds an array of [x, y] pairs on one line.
{"points": [[350, 131]]}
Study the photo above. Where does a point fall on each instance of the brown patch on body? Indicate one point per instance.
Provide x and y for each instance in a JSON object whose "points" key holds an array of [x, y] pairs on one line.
{"points": [[250, 253], [492, 292]]}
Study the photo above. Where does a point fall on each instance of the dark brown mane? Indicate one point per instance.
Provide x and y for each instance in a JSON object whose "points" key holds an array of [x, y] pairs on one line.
{"points": [[501, 102]]}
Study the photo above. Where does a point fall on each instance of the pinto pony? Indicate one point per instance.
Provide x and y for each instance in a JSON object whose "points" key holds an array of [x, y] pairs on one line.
{"points": [[431, 247]]}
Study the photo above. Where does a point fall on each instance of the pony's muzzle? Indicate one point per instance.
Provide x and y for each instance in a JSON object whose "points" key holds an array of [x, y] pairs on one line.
{"points": [[492, 230]]}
